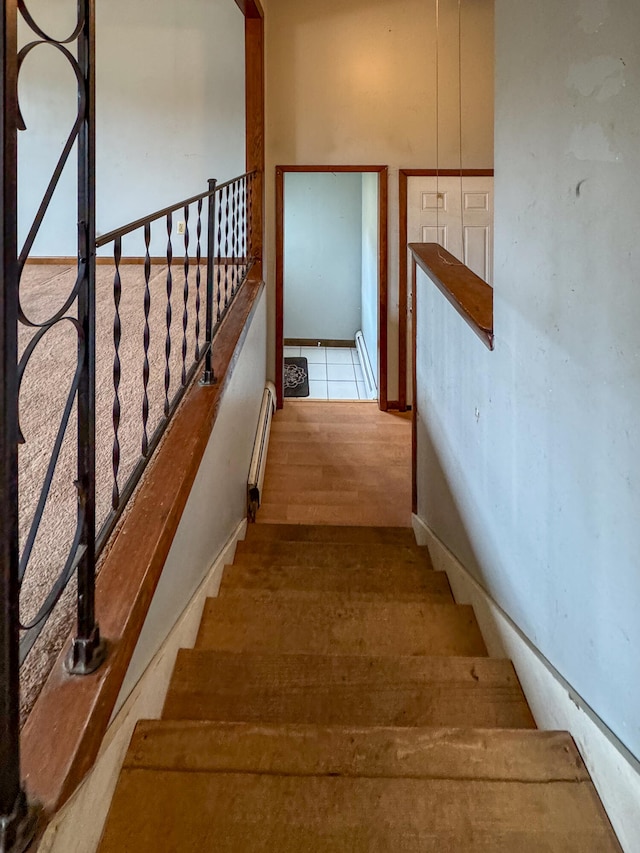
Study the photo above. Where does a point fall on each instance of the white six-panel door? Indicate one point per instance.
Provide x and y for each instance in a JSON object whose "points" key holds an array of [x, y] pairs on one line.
{"points": [[458, 214]]}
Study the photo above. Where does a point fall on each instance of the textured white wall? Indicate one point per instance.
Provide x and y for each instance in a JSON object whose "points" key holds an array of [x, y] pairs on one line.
{"points": [[354, 83], [169, 112], [529, 464], [322, 254]]}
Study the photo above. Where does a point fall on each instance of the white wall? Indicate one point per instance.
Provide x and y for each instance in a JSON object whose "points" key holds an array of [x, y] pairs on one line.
{"points": [[169, 112], [370, 249], [322, 255], [529, 469], [354, 83]]}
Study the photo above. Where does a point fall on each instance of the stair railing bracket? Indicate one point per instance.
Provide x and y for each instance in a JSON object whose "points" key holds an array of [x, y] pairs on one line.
{"points": [[86, 655]]}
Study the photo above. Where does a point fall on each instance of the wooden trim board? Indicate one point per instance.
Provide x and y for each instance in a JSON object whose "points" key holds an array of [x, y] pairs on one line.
{"points": [[255, 122], [467, 292], [383, 282]]}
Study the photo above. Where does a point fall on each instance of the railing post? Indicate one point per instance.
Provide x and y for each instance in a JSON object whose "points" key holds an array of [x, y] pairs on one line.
{"points": [[208, 377], [87, 650], [16, 819]]}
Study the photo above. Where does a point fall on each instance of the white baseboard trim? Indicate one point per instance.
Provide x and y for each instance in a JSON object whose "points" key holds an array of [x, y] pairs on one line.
{"points": [[554, 703], [77, 827]]}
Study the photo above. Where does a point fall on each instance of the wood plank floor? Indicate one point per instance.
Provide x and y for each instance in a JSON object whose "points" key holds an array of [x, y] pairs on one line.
{"points": [[338, 463]]}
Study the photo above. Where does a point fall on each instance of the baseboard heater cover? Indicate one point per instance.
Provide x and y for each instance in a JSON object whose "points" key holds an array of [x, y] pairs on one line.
{"points": [[260, 447], [367, 370]]}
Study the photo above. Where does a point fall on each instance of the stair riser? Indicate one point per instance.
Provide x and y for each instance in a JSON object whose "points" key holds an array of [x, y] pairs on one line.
{"points": [[382, 582], [329, 533]]}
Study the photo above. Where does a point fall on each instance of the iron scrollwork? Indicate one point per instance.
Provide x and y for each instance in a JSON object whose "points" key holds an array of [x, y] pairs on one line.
{"points": [[78, 314]]}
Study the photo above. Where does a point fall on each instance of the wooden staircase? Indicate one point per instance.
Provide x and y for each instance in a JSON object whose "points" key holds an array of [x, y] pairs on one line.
{"points": [[337, 699]]}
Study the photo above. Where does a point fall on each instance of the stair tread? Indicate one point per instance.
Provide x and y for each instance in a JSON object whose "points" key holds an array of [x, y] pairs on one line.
{"points": [[354, 690], [330, 554], [383, 579], [439, 595], [250, 623], [247, 812], [334, 552], [329, 533], [520, 755]]}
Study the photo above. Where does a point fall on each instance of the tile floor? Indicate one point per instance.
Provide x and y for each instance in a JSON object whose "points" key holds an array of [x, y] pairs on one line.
{"points": [[334, 373]]}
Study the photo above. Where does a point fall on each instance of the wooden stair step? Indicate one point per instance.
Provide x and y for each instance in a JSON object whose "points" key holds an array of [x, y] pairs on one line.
{"points": [[236, 812], [346, 690], [306, 597], [380, 580], [329, 533], [329, 554], [518, 755], [249, 623]]}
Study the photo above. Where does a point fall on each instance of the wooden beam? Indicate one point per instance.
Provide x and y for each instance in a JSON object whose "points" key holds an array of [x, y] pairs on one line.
{"points": [[255, 133], [251, 9]]}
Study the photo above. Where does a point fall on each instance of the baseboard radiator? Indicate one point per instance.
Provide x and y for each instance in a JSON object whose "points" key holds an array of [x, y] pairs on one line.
{"points": [[260, 447], [367, 370]]}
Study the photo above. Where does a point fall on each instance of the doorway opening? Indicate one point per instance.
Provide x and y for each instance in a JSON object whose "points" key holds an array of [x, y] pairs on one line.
{"points": [[452, 207], [331, 283]]}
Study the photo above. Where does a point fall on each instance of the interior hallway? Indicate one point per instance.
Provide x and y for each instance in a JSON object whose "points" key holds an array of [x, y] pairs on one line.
{"points": [[338, 463]]}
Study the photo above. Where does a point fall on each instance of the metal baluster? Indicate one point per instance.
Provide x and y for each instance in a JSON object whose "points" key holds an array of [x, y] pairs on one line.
{"points": [[218, 257], [243, 209], [146, 338], [239, 227], [198, 277], [226, 248], [16, 824], [167, 345], [208, 377], [233, 238], [251, 219], [117, 334], [185, 314], [87, 650]]}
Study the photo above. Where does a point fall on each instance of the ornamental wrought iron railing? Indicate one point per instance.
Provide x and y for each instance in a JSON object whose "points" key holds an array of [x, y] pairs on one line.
{"points": [[141, 311]]}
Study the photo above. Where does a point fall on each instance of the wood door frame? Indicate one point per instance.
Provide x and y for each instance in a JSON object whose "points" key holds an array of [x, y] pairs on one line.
{"points": [[403, 268], [383, 281]]}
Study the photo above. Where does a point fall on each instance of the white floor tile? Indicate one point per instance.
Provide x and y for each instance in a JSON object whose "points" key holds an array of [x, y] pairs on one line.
{"points": [[343, 391], [314, 355], [339, 355], [341, 373], [317, 390], [359, 373], [317, 371], [290, 352]]}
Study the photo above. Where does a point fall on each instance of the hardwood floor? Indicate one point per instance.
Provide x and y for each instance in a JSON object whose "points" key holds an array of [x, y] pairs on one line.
{"points": [[338, 463]]}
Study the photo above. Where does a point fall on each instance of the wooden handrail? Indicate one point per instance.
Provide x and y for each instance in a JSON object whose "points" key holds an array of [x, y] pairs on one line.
{"points": [[468, 293]]}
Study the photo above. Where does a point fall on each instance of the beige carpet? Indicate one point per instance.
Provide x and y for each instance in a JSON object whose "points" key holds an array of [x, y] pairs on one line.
{"points": [[44, 391]]}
